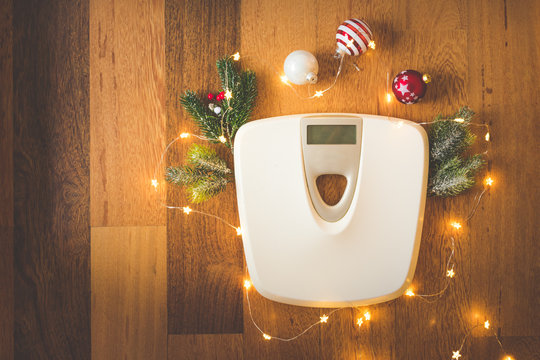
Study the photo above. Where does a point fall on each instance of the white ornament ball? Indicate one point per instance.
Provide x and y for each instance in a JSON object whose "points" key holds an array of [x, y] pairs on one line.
{"points": [[301, 67], [217, 110]]}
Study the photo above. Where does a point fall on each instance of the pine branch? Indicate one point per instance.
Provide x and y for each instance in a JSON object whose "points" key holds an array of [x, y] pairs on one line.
{"points": [[450, 172], [207, 122], [206, 189], [184, 175], [204, 158]]}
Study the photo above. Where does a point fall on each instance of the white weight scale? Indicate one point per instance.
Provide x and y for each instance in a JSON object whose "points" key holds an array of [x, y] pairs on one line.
{"points": [[362, 250]]}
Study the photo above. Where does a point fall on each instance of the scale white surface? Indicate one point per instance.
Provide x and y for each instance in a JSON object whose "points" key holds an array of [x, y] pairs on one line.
{"points": [[361, 251]]}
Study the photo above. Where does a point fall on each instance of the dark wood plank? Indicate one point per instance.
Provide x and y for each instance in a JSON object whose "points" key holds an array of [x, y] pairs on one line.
{"points": [[6, 179], [205, 347], [205, 256], [51, 180]]}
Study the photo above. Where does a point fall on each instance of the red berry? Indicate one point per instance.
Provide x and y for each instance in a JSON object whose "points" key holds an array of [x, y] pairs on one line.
{"points": [[210, 96], [220, 96]]}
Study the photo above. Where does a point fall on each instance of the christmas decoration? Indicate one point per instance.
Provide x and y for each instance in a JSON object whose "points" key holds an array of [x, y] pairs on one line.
{"points": [[353, 37], [301, 67], [450, 171], [409, 86], [236, 103], [205, 175]]}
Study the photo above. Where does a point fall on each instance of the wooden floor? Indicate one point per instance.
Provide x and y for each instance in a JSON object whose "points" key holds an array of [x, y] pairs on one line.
{"points": [[93, 267]]}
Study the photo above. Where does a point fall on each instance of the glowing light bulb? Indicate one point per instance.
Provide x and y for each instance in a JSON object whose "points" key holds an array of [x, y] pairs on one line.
{"points": [[318, 93], [155, 183], [360, 321], [228, 94], [450, 273], [187, 210], [508, 357], [456, 225], [426, 78], [388, 97], [487, 324], [267, 337], [367, 315], [184, 135], [487, 136], [489, 181], [409, 292], [350, 43], [236, 56], [222, 138], [324, 318], [239, 231], [459, 120], [371, 44], [456, 354], [247, 284], [284, 79]]}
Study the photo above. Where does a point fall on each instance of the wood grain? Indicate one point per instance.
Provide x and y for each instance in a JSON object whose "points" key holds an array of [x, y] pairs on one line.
{"points": [[51, 180], [205, 256], [6, 180], [129, 292], [206, 347], [127, 109]]}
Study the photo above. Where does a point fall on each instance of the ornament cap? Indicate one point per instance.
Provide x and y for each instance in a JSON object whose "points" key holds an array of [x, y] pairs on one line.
{"points": [[426, 78], [312, 78]]}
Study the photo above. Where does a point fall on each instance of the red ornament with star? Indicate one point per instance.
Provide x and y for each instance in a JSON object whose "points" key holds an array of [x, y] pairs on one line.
{"points": [[410, 86]]}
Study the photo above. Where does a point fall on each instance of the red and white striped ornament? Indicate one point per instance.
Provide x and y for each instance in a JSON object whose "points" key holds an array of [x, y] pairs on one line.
{"points": [[353, 37]]}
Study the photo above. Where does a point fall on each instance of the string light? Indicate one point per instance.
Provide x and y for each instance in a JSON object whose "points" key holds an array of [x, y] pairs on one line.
{"points": [[456, 354], [360, 321], [228, 94], [350, 42], [388, 97], [236, 56], [488, 181], [487, 136], [450, 273], [324, 318], [426, 78], [372, 44], [367, 315], [508, 357], [459, 120], [155, 183], [284, 79], [456, 225], [187, 210], [486, 324], [409, 293], [222, 138], [267, 337], [239, 231], [184, 135], [318, 93], [247, 284]]}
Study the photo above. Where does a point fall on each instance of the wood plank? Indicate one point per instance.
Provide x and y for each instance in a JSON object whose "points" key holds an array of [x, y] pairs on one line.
{"points": [[205, 256], [520, 347], [205, 347], [51, 180], [6, 180], [505, 230], [127, 109], [129, 292]]}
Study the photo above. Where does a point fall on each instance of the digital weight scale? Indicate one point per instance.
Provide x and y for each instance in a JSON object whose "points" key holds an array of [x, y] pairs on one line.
{"points": [[362, 250]]}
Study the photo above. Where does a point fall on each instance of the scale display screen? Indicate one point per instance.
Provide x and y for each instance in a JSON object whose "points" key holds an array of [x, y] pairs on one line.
{"points": [[331, 134]]}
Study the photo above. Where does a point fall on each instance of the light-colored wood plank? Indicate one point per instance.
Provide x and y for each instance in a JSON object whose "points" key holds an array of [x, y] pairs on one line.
{"points": [[127, 110], [205, 347], [129, 293]]}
